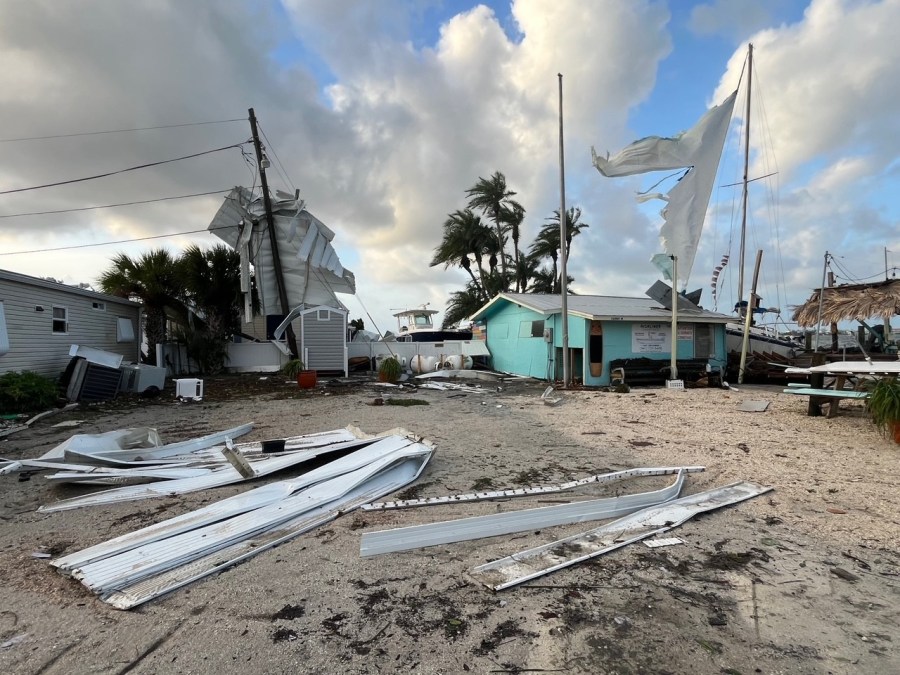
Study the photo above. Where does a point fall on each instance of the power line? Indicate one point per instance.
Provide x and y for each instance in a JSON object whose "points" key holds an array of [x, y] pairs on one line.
{"points": [[118, 131], [110, 243], [112, 173], [109, 206], [282, 170]]}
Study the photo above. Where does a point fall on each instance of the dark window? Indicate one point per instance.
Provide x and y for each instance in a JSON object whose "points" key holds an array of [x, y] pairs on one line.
{"points": [[60, 320]]}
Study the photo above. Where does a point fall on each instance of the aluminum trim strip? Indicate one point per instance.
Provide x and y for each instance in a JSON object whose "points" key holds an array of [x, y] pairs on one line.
{"points": [[525, 492]]}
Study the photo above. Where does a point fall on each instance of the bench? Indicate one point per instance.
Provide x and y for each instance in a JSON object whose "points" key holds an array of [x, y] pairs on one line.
{"points": [[818, 397]]}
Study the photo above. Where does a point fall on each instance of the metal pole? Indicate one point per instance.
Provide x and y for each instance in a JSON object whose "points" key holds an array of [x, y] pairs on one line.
{"points": [[751, 300], [821, 297], [270, 222], [746, 172], [563, 248], [673, 362]]}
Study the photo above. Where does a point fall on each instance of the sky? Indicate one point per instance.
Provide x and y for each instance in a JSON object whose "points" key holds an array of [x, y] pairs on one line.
{"points": [[383, 112]]}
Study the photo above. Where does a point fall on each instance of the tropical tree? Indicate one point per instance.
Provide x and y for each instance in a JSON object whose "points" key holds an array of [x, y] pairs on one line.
{"points": [[465, 235], [512, 215], [546, 244], [491, 196], [153, 280], [211, 285], [462, 305], [211, 281]]}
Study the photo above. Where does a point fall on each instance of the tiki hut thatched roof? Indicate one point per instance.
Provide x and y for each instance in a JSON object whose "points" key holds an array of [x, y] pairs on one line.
{"points": [[851, 302]]}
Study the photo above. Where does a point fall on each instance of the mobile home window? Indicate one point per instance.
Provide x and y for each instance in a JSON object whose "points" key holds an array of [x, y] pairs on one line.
{"points": [[323, 314], [124, 329], [60, 320], [100, 306]]}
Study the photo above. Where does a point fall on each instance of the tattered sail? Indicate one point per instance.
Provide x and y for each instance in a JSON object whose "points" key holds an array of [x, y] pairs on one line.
{"points": [[697, 150], [312, 272]]}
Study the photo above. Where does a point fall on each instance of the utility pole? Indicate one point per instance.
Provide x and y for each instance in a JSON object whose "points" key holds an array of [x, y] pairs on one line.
{"points": [[270, 222], [563, 248]]}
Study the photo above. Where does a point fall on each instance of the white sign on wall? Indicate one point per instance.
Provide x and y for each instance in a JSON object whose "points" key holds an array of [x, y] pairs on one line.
{"points": [[650, 338]]}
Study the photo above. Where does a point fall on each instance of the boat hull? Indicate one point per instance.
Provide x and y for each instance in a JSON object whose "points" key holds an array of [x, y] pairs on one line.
{"points": [[760, 341]]}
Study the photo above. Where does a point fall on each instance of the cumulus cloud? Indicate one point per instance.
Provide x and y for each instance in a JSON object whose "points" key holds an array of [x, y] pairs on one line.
{"points": [[383, 133]]}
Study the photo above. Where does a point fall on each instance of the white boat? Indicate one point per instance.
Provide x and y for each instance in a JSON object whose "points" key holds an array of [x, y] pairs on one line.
{"points": [[417, 325]]}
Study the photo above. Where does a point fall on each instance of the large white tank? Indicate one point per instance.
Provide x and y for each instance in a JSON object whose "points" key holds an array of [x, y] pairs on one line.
{"points": [[423, 364], [457, 362]]}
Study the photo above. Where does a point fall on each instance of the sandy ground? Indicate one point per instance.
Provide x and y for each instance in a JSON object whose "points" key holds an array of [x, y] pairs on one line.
{"points": [[801, 580]]}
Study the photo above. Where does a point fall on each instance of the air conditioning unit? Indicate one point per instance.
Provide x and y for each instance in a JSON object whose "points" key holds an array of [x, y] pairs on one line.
{"points": [[138, 378]]}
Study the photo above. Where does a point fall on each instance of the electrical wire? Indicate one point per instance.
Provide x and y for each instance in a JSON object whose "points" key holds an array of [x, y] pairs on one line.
{"points": [[133, 168], [110, 243], [282, 171], [109, 206], [119, 131]]}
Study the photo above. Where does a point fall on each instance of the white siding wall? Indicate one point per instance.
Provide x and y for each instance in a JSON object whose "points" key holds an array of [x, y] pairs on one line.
{"points": [[324, 339], [32, 343]]}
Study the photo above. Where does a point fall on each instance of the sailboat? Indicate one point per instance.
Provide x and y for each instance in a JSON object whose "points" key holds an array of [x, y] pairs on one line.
{"points": [[697, 152]]}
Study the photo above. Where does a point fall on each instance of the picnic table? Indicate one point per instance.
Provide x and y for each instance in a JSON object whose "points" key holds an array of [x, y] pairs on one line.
{"points": [[842, 374]]}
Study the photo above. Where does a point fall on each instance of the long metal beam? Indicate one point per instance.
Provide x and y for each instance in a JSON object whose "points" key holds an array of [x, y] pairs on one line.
{"points": [[537, 490], [536, 562], [495, 524]]}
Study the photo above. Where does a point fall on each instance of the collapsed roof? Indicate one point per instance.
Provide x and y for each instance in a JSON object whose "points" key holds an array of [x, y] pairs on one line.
{"points": [[312, 272]]}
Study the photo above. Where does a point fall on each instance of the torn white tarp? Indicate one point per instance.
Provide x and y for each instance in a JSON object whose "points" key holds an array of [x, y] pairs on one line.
{"points": [[495, 524], [311, 269], [532, 563], [698, 150]]}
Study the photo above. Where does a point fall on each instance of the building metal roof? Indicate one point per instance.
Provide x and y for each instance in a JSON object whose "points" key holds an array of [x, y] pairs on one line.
{"points": [[600, 308], [75, 290]]}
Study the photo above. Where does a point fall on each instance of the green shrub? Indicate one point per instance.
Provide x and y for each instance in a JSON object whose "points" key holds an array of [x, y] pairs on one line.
{"points": [[27, 391], [883, 404], [293, 368], [389, 370]]}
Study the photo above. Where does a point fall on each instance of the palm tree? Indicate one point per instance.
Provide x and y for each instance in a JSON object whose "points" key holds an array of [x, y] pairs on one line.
{"points": [[462, 305], [212, 285], [211, 282], [512, 215], [490, 195], [464, 235], [153, 281], [546, 244]]}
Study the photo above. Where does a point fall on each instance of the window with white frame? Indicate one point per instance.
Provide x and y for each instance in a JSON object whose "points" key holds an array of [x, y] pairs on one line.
{"points": [[99, 306], [323, 314], [60, 319]]}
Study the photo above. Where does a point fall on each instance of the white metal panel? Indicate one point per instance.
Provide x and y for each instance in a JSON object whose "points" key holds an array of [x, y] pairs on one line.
{"points": [[495, 524], [226, 508], [532, 563], [384, 483], [136, 564]]}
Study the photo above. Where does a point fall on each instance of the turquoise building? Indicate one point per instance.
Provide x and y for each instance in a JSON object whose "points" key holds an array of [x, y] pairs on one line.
{"points": [[524, 334]]}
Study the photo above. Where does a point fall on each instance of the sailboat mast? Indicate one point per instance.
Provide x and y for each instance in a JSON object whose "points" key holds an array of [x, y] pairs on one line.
{"points": [[746, 172]]}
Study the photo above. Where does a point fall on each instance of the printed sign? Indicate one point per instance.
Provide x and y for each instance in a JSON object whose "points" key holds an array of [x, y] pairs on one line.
{"points": [[650, 338]]}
